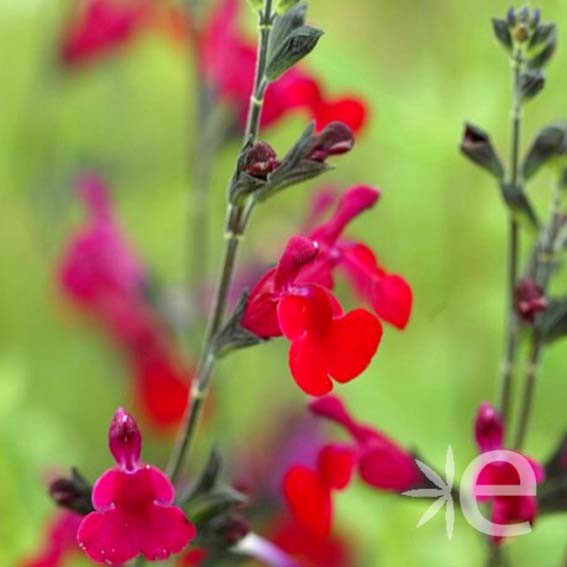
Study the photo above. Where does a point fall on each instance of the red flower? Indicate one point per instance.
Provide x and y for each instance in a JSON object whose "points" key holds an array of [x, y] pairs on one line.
{"points": [[307, 549], [389, 294], [228, 61], [325, 343], [489, 433], [59, 544], [105, 279], [308, 492], [380, 461], [133, 506], [99, 27]]}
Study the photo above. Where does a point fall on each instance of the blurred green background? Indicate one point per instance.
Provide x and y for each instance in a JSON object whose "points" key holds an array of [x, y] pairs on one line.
{"points": [[424, 67]]}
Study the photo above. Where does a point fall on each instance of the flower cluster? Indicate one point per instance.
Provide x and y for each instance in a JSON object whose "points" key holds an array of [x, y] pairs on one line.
{"points": [[294, 299], [380, 462], [225, 59], [103, 277]]}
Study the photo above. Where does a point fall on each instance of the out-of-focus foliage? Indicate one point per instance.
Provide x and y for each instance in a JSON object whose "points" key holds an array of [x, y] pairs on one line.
{"points": [[425, 67]]}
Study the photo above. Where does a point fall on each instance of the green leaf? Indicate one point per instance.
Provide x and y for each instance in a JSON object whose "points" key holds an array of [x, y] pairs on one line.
{"points": [[519, 205], [297, 45]]}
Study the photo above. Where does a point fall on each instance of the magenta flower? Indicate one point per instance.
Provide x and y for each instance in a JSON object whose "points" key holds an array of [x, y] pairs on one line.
{"points": [[133, 506], [489, 433], [103, 276], [60, 542]]}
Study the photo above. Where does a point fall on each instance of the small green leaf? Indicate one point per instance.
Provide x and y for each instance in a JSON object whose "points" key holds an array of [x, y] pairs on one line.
{"points": [[297, 45]]}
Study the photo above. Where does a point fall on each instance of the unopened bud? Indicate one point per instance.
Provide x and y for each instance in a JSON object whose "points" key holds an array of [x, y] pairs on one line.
{"points": [[260, 160], [477, 146], [488, 428], [335, 139], [529, 300], [72, 493], [229, 528]]}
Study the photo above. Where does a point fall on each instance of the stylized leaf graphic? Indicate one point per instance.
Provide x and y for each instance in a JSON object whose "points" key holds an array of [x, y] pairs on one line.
{"points": [[431, 511]]}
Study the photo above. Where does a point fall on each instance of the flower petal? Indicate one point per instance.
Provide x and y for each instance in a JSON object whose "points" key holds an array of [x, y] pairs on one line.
{"points": [[386, 466], [309, 500], [351, 343], [336, 464], [166, 530]]}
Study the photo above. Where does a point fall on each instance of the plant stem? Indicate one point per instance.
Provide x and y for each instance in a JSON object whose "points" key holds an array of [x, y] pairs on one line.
{"points": [[511, 340], [544, 263], [236, 224], [528, 393]]}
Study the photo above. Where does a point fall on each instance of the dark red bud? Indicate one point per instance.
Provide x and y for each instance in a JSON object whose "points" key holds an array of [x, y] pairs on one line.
{"points": [[72, 493], [335, 139], [230, 529], [260, 160], [529, 300]]}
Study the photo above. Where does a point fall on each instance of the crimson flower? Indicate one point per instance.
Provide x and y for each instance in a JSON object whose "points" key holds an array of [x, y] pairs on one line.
{"points": [[489, 434], [103, 277], [100, 27], [380, 462], [308, 492], [133, 505], [60, 542], [227, 62], [325, 343], [307, 549], [389, 294]]}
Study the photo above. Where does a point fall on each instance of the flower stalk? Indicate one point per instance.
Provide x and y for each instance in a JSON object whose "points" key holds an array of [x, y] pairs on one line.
{"points": [[511, 338], [544, 264], [236, 222]]}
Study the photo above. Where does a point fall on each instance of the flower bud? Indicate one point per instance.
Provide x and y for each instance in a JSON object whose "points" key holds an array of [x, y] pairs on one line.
{"points": [[488, 428], [229, 528], [72, 493], [125, 440], [335, 139], [529, 300], [477, 146], [260, 160]]}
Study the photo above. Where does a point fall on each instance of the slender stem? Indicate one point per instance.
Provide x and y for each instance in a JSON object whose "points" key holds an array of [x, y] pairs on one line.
{"points": [[543, 269], [528, 393], [235, 228], [511, 339]]}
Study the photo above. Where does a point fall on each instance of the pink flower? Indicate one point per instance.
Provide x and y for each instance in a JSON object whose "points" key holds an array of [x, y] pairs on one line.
{"points": [[102, 275], [489, 433], [389, 294], [133, 506], [99, 27], [325, 343], [228, 61], [60, 542]]}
